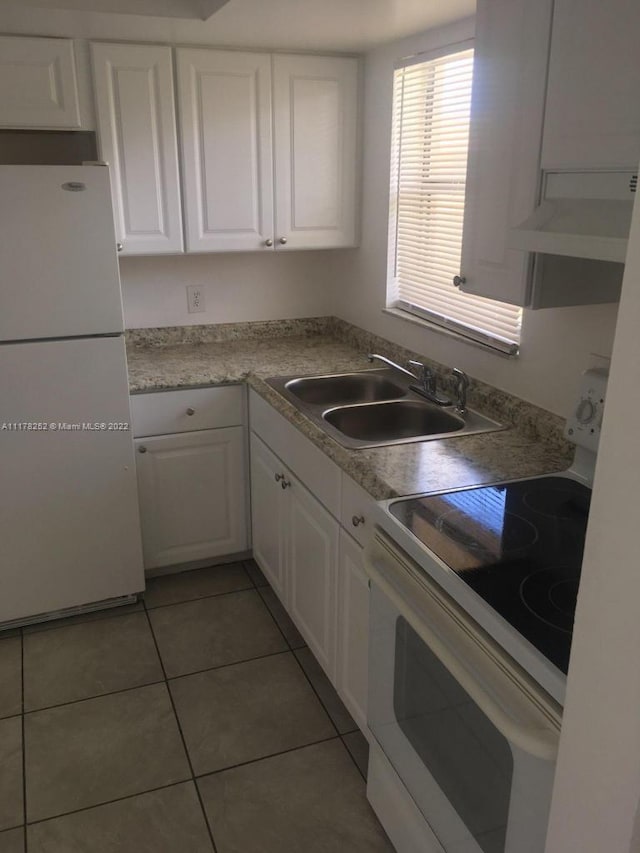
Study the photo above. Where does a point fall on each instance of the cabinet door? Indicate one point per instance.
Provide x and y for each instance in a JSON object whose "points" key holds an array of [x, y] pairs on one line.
{"points": [[267, 515], [225, 123], [192, 496], [511, 49], [137, 134], [353, 629], [312, 560], [38, 83], [315, 138], [592, 118]]}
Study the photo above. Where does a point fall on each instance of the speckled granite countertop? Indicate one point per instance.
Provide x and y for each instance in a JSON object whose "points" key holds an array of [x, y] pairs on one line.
{"points": [[156, 362]]}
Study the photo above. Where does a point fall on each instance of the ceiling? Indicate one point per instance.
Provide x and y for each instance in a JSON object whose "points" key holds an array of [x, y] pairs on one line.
{"points": [[336, 25]]}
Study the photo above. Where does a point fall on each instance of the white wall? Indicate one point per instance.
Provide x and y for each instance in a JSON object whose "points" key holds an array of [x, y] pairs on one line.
{"points": [[555, 343], [597, 788], [237, 287]]}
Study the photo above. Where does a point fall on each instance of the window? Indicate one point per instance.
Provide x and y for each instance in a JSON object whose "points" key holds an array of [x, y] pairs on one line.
{"points": [[431, 106]]}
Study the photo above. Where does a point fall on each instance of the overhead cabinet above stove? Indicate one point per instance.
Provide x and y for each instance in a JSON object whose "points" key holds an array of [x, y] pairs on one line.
{"points": [[555, 110], [267, 147]]}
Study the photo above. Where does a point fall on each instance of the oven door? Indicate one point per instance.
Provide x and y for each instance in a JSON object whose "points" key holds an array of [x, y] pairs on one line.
{"points": [[472, 738]]}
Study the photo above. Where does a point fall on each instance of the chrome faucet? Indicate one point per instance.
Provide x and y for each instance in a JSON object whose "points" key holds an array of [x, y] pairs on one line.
{"points": [[461, 385], [426, 379], [375, 357]]}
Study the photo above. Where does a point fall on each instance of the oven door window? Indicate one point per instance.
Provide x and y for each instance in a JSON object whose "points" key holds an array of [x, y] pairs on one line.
{"points": [[468, 758], [456, 764]]}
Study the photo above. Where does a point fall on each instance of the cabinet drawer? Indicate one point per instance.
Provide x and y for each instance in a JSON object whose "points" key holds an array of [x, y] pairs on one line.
{"points": [[355, 510], [319, 474], [185, 411]]}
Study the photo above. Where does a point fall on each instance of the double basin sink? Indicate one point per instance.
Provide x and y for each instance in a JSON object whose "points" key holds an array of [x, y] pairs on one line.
{"points": [[375, 407]]}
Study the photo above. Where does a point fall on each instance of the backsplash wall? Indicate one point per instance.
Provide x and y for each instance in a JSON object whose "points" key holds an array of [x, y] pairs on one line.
{"points": [[237, 287]]}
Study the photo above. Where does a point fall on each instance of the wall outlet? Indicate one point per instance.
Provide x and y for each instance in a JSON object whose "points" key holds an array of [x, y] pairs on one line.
{"points": [[195, 299]]}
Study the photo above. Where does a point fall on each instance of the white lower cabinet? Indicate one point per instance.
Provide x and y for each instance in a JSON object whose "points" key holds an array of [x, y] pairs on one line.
{"points": [[267, 515], [353, 629], [191, 465], [314, 565], [295, 543], [192, 496], [312, 558]]}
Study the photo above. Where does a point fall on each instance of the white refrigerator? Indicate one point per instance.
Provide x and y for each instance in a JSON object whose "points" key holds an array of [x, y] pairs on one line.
{"points": [[69, 526]]}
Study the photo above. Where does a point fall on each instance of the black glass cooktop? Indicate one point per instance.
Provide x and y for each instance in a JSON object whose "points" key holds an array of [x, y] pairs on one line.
{"points": [[518, 545]]}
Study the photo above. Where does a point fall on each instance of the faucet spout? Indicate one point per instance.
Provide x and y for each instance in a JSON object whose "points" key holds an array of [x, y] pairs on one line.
{"points": [[375, 357]]}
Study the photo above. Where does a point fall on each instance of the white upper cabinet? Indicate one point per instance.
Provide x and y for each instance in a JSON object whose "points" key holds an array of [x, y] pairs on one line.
{"points": [[225, 124], [38, 83], [592, 118], [245, 190], [268, 148], [137, 134], [315, 139], [511, 50]]}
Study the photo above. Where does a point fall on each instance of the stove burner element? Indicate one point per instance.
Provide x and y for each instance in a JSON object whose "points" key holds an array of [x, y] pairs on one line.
{"points": [[554, 502], [516, 533], [550, 594]]}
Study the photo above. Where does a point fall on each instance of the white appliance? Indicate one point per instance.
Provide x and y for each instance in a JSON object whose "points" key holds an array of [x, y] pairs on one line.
{"points": [[470, 630], [69, 527]]}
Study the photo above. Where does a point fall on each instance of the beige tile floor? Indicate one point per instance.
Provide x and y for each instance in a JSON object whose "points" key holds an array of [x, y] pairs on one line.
{"points": [[197, 721]]}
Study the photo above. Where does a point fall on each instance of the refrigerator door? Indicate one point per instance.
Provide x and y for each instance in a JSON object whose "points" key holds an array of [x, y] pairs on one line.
{"points": [[59, 270], [69, 526]]}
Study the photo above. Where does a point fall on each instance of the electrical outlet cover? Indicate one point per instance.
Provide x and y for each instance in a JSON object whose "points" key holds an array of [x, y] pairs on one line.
{"points": [[195, 299]]}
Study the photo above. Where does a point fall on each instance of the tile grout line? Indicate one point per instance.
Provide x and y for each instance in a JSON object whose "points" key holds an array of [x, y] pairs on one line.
{"points": [[24, 759], [110, 802], [295, 657], [114, 612], [267, 757], [165, 678], [174, 784], [351, 755], [199, 597], [182, 737], [317, 695]]}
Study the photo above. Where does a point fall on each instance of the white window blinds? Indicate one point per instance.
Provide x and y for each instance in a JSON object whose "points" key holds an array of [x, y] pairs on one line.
{"points": [[431, 106]]}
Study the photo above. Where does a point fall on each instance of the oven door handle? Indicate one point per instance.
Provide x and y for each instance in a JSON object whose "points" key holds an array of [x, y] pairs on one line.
{"points": [[522, 713]]}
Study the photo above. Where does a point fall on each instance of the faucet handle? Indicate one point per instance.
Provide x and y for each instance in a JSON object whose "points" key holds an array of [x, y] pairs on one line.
{"points": [[462, 384], [426, 376], [420, 367]]}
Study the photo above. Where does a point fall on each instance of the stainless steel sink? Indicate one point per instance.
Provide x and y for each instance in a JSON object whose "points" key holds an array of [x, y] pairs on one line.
{"points": [[391, 421], [371, 408], [344, 388]]}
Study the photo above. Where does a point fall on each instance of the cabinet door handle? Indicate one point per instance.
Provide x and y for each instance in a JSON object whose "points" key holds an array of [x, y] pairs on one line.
{"points": [[357, 520], [283, 241], [458, 280], [119, 246], [269, 242], [279, 477], [191, 411], [142, 449], [285, 483]]}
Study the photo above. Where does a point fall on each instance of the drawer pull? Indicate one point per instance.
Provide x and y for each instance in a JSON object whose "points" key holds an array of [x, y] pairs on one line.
{"points": [[357, 520], [142, 449], [191, 411]]}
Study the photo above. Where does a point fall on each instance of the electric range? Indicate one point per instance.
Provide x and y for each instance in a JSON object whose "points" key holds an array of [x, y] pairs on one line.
{"points": [[510, 553]]}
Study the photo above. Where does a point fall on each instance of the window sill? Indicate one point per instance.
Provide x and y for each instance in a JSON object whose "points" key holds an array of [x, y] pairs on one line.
{"points": [[449, 333]]}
